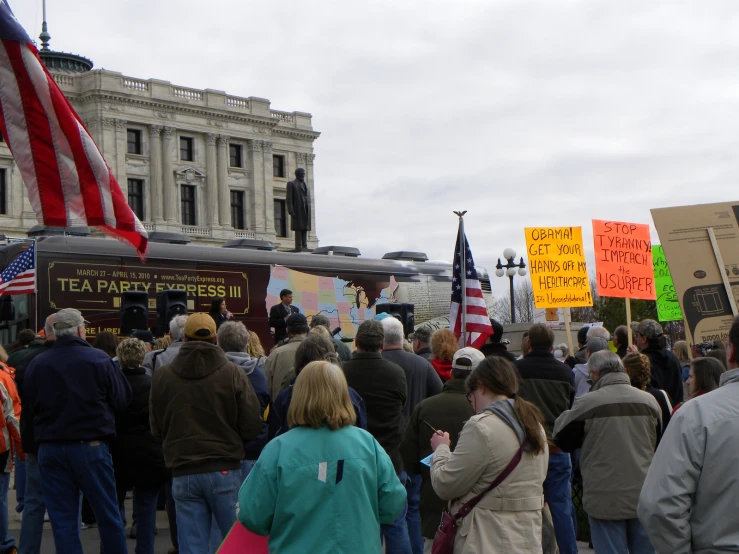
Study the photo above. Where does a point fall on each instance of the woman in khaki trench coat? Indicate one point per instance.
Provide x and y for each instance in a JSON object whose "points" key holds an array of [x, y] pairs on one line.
{"points": [[508, 518]]}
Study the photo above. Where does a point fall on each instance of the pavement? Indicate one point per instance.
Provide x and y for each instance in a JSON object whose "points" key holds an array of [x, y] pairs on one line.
{"points": [[91, 539]]}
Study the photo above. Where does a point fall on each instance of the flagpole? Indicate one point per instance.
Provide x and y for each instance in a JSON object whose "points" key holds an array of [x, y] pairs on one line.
{"points": [[463, 273], [35, 285]]}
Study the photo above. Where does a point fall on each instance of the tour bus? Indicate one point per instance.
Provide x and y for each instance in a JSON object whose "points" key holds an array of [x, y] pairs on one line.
{"points": [[91, 275]]}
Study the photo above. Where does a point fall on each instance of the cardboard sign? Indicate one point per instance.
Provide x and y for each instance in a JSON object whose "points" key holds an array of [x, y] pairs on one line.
{"points": [[242, 541], [557, 264], [695, 272], [623, 260], [668, 308]]}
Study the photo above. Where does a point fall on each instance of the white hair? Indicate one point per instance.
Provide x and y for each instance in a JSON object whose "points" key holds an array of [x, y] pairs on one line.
{"points": [[49, 327], [177, 327], [600, 333], [605, 361], [68, 332], [393, 332]]}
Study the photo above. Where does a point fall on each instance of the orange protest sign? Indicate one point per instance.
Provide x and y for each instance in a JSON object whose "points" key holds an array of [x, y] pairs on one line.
{"points": [[623, 260]]}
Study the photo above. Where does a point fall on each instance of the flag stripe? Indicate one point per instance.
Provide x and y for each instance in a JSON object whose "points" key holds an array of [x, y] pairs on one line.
{"points": [[14, 125], [66, 176], [41, 143]]}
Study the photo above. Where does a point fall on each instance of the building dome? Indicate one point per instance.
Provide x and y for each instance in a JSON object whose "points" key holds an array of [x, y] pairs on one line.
{"points": [[61, 62]]}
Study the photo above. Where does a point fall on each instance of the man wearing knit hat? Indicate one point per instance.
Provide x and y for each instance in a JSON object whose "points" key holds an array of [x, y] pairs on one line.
{"points": [[448, 410], [204, 409]]}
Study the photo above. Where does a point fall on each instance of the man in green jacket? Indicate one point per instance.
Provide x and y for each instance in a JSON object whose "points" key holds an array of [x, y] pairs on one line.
{"points": [[448, 410]]}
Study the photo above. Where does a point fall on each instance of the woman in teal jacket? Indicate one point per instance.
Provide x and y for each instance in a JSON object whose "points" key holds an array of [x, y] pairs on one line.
{"points": [[325, 485]]}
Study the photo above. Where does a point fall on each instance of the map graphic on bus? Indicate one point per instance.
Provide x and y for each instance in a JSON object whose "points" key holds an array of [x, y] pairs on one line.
{"points": [[345, 304]]}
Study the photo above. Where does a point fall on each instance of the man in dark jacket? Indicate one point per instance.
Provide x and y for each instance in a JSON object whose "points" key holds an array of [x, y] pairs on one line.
{"points": [[665, 367], [204, 409], [493, 345], [32, 525], [423, 382], [72, 391], [449, 411], [550, 385], [382, 386], [279, 313], [421, 338]]}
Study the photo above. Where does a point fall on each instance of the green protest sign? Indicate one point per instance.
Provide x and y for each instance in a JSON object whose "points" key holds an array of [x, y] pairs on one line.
{"points": [[668, 308]]}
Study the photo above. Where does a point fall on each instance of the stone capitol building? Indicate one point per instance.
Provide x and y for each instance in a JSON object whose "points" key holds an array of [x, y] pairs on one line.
{"points": [[202, 163]]}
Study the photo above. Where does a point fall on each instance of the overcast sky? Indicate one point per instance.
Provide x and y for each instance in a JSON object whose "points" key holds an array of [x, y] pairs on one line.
{"points": [[525, 113]]}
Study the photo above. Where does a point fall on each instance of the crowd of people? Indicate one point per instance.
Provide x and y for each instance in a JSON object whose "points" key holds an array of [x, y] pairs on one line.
{"points": [[326, 448]]}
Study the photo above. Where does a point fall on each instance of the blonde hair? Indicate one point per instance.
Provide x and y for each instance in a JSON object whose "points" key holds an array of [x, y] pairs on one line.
{"points": [[254, 346], [682, 352], [131, 353], [443, 344], [321, 397], [322, 331], [638, 368], [163, 342]]}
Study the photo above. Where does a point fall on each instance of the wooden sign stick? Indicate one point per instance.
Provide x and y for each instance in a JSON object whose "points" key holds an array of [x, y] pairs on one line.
{"points": [[628, 321], [567, 315]]}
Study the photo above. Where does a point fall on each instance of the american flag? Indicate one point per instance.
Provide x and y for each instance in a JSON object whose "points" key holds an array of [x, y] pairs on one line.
{"points": [[477, 321], [69, 184], [20, 276]]}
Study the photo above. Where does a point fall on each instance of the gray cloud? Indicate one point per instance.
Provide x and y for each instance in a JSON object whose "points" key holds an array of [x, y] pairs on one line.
{"points": [[525, 113]]}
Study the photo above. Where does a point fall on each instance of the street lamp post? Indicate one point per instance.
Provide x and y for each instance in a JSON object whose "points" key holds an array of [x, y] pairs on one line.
{"points": [[510, 269]]}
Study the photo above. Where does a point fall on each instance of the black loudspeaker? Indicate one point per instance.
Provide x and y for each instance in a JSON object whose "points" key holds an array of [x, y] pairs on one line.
{"points": [[402, 312], [134, 311], [7, 308], [169, 304]]}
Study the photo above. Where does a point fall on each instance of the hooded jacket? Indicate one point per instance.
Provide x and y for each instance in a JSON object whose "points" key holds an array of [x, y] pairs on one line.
{"points": [[497, 349], [204, 409], [617, 426], [666, 372], [581, 373], [258, 381], [688, 502], [156, 359]]}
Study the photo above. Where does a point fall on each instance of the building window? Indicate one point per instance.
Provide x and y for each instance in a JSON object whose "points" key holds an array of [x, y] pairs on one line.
{"points": [[280, 219], [237, 209], [186, 149], [134, 141], [234, 152], [188, 205], [3, 192], [278, 166], [136, 197]]}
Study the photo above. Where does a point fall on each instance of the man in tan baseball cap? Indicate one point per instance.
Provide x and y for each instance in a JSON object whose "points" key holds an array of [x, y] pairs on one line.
{"points": [[204, 409]]}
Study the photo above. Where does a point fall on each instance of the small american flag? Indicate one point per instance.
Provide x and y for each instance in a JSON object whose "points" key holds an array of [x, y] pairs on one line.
{"points": [[20, 276], [69, 184], [471, 301]]}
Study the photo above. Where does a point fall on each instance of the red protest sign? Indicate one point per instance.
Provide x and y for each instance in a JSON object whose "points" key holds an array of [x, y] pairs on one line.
{"points": [[623, 260], [242, 541]]}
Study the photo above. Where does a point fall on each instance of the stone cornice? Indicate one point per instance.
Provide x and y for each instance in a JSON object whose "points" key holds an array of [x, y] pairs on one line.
{"points": [[296, 134], [174, 107]]}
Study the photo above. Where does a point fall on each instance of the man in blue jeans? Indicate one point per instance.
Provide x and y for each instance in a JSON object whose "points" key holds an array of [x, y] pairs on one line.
{"points": [[204, 409], [73, 390], [550, 385]]}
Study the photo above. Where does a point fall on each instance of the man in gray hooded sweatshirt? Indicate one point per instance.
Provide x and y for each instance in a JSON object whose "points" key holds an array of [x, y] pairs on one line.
{"points": [[688, 501], [233, 338]]}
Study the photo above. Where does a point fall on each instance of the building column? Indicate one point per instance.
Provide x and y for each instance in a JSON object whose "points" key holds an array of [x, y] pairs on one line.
{"points": [[155, 174], [121, 149], [257, 208], [309, 179], [168, 190], [269, 203], [211, 180], [224, 196]]}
